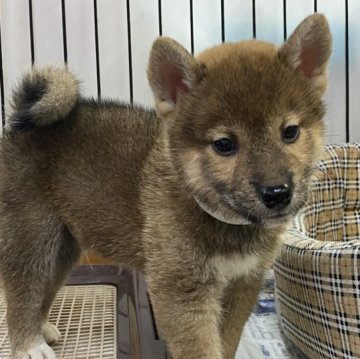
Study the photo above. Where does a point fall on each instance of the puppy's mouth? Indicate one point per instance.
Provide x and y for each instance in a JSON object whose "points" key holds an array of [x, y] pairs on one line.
{"points": [[273, 221], [231, 211], [265, 218]]}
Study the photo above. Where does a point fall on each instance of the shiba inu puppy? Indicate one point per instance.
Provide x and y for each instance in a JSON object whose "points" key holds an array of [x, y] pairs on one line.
{"points": [[194, 195]]}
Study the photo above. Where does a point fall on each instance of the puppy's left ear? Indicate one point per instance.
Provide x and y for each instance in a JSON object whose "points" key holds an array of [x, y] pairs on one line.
{"points": [[172, 72], [308, 50]]}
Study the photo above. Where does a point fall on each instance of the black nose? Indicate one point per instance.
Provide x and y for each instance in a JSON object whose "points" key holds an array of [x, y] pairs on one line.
{"points": [[276, 197]]}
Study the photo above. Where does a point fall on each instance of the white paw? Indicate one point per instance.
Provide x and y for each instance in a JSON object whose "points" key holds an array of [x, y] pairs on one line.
{"points": [[40, 351], [50, 332]]}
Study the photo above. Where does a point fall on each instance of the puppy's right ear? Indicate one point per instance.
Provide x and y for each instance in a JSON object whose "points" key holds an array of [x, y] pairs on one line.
{"points": [[172, 72], [308, 50]]}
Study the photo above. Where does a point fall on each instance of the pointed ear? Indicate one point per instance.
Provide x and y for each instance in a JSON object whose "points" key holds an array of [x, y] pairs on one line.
{"points": [[308, 49], [172, 72]]}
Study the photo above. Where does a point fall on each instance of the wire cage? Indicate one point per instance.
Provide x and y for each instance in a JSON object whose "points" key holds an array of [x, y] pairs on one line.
{"points": [[106, 43]]}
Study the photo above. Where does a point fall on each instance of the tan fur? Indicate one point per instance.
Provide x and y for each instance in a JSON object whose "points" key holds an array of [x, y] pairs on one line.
{"points": [[155, 194], [231, 267], [251, 48]]}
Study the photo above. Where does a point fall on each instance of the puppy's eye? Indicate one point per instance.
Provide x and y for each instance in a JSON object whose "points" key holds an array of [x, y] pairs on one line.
{"points": [[224, 146], [290, 134]]}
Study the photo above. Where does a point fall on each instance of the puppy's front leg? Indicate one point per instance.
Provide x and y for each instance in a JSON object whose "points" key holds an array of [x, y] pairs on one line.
{"points": [[187, 315], [239, 300]]}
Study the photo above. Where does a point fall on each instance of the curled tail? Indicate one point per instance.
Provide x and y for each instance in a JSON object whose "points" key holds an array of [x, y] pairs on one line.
{"points": [[43, 97]]}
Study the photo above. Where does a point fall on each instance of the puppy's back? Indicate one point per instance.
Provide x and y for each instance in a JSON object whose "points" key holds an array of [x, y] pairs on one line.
{"points": [[83, 159], [50, 123]]}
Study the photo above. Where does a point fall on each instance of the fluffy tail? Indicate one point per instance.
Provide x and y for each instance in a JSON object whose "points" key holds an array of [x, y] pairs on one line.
{"points": [[43, 97]]}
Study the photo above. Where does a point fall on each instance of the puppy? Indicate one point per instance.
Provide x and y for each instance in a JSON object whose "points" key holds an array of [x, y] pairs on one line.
{"points": [[195, 196]]}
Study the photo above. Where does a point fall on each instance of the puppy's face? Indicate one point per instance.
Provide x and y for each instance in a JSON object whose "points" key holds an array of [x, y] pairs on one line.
{"points": [[244, 121]]}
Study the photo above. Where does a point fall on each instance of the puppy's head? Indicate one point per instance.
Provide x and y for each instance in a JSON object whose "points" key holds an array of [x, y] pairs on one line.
{"points": [[244, 121]]}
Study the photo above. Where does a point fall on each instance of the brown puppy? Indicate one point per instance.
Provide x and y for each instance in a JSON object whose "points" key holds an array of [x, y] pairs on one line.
{"points": [[196, 198]]}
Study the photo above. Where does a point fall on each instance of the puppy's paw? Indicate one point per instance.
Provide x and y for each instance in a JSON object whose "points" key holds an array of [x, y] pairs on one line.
{"points": [[50, 332], [40, 351]]}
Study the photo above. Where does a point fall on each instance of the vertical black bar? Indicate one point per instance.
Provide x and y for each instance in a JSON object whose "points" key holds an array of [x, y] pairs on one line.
{"points": [[160, 17], [31, 33], [2, 85], [98, 79], [191, 27], [347, 89], [222, 21], [129, 50], [63, 13], [285, 20], [315, 5], [254, 18]]}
